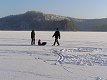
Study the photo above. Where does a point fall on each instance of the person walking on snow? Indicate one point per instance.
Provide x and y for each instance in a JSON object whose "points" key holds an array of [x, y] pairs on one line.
{"points": [[57, 36]]}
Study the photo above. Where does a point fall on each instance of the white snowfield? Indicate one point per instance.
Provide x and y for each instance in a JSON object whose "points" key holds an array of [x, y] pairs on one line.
{"points": [[80, 56]]}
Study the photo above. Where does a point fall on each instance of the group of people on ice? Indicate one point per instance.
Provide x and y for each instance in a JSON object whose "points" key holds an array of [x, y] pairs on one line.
{"points": [[56, 35]]}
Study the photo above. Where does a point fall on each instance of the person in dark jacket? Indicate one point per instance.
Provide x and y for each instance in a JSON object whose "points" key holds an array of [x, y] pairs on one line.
{"points": [[41, 43], [32, 37], [57, 36]]}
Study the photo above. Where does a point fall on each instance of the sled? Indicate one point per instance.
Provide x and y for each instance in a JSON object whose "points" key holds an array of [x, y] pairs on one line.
{"points": [[42, 44]]}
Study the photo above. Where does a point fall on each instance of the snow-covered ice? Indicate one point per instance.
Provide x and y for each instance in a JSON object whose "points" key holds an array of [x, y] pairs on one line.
{"points": [[80, 56]]}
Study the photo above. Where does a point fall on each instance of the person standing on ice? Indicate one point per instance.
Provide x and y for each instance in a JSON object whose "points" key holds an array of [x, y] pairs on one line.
{"points": [[32, 37], [57, 36]]}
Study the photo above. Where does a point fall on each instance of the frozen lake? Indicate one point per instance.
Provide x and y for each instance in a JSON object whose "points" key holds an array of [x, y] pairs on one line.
{"points": [[80, 56]]}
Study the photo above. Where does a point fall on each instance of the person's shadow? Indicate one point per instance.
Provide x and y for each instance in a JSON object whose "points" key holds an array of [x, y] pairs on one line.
{"points": [[16, 45]]}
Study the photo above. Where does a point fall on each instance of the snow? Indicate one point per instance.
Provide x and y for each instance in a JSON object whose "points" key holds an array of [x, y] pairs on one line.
{"points": [[80, 56]]}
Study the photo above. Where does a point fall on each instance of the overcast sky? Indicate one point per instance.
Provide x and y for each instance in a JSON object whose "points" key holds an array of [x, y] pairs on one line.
{"points": [[72, 8]]}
